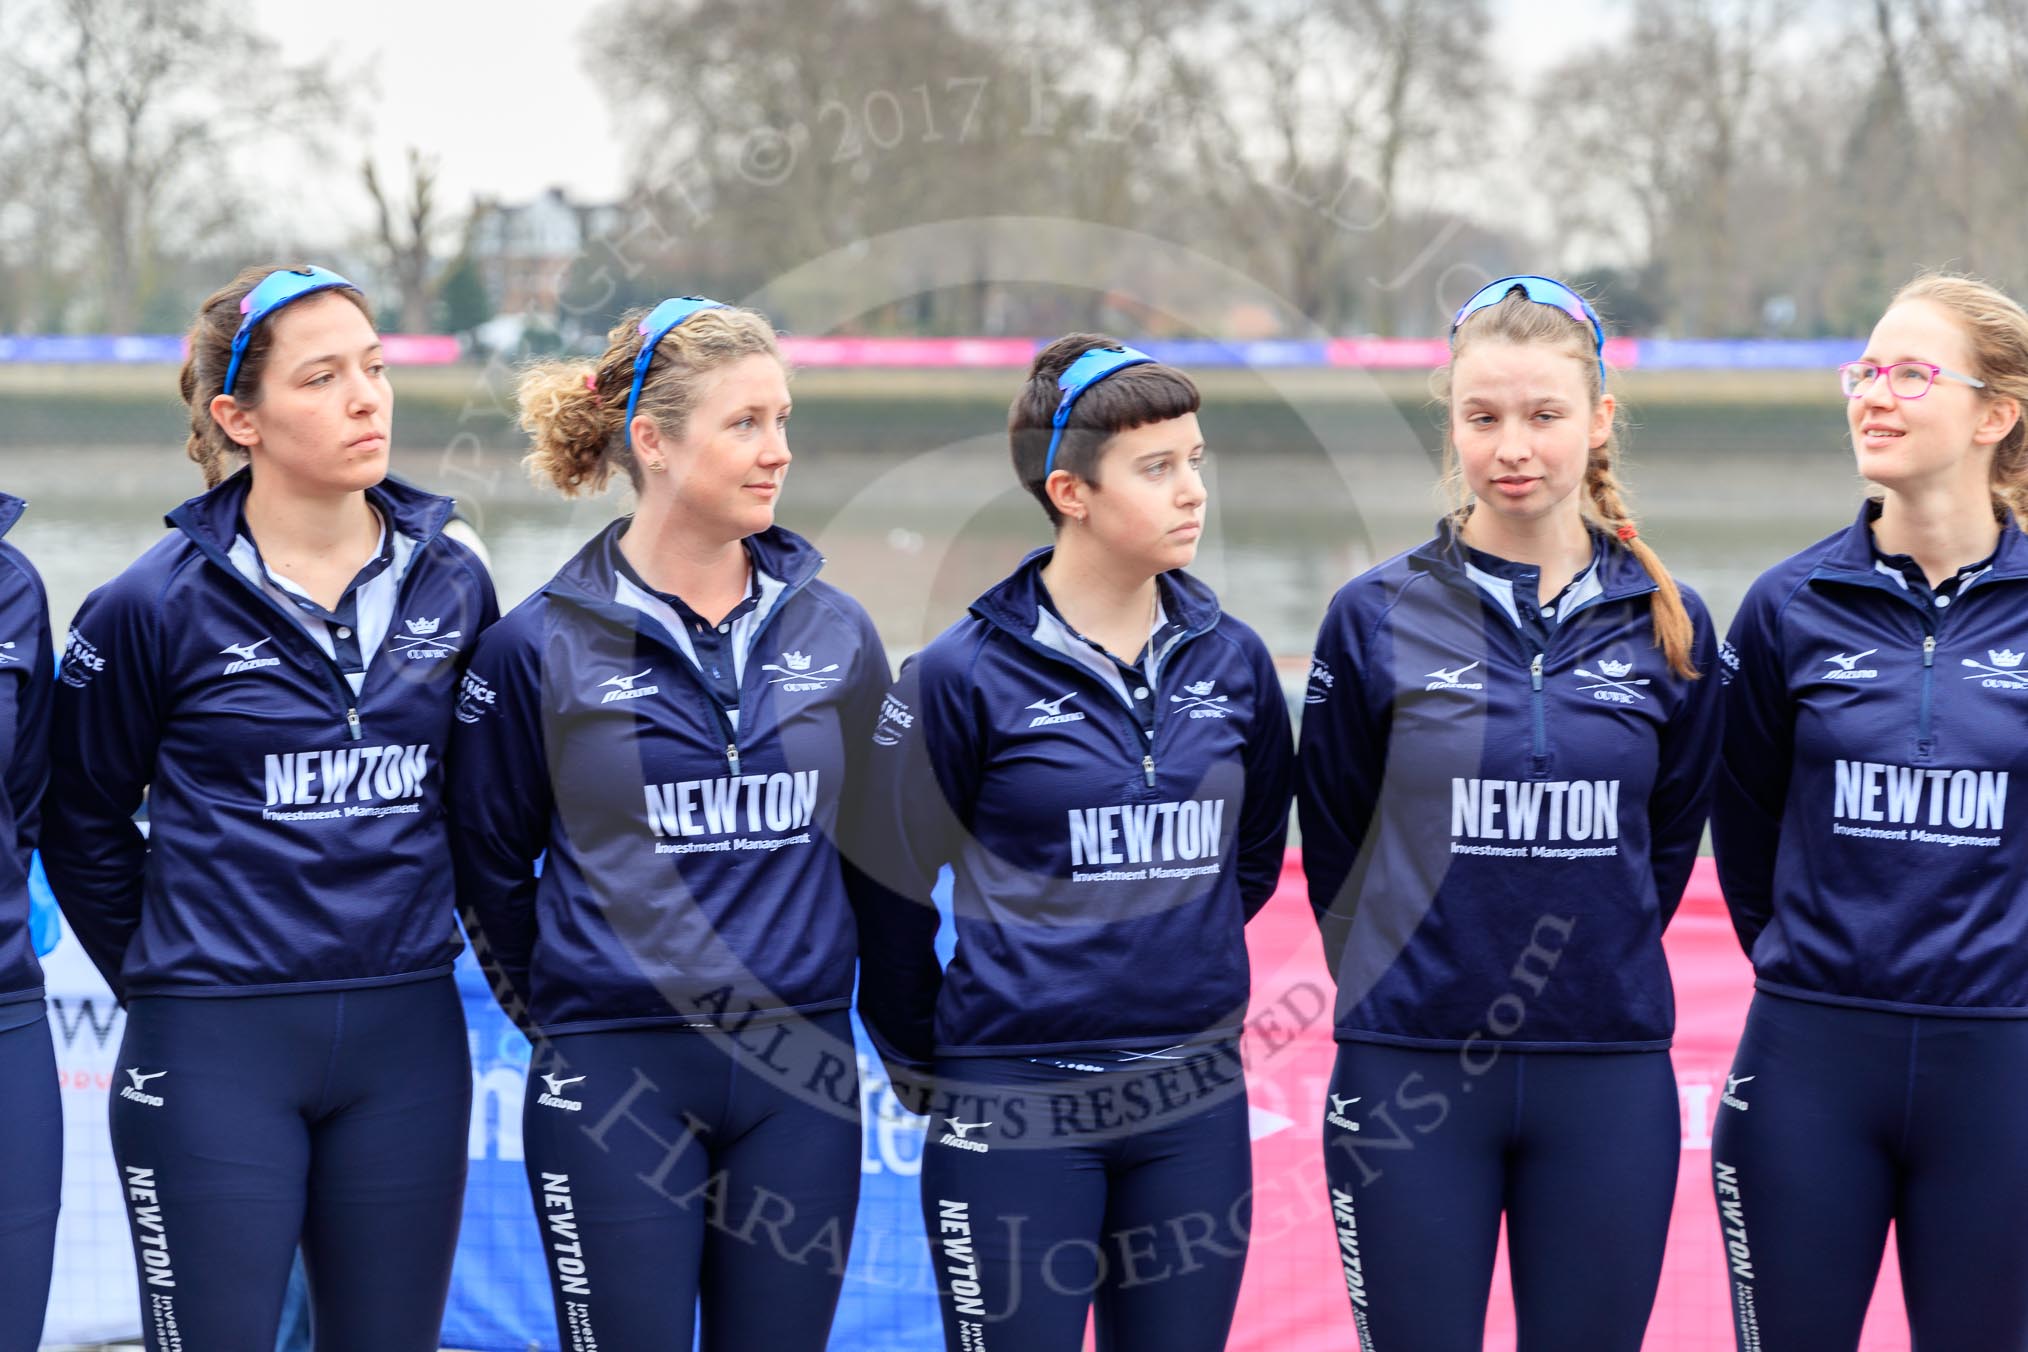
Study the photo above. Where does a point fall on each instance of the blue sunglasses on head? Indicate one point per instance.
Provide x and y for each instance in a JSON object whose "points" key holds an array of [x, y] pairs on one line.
{"points": [[270, 294], [1543, 291], [1087, 371], [655, 328]]}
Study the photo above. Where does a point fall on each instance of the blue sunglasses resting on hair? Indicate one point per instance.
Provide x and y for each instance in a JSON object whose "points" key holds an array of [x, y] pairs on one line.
{"points": [[1088, 370], [655, 328], [1543, 291], [270, 294]]}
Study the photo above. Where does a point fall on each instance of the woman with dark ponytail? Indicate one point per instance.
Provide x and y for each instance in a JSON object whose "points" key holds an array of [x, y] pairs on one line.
{"points": [[1101, 755], [672, 724], [277, 677], [1873, 861], [1506, 760]]}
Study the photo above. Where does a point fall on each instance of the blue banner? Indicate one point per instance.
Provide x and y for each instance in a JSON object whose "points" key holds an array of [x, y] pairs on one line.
{"points": [[91, 349], [1201, 352], [1745, 354]]}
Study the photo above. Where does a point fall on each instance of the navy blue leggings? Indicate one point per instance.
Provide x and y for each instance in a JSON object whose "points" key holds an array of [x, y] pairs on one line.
{"points": [[31, 1174], [1425, 1150], [1836, 1121], [679, 1173], [245, 1125], [1053, 1187]]}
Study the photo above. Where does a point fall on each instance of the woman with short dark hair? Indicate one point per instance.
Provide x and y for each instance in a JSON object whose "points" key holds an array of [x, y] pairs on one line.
{"points": [[1102, 756]]}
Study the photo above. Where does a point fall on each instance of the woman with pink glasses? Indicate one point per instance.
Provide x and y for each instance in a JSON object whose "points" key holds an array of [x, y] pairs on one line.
{"points": [[1871, 854]]}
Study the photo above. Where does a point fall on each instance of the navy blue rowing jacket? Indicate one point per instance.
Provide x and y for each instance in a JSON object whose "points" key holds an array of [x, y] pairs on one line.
{"points": [[296, 836], [692, 875], [1497, 827], [1869, 839], [1102, 876], [26, 666]]}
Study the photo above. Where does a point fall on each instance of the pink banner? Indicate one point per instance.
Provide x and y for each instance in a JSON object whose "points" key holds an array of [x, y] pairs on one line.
{"points": [[1389, 354], [1294, 1298], [992, 352], [1426, 354], [420, 349]]}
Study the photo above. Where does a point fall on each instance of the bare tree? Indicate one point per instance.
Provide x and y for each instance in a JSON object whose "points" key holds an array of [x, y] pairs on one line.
{"points": [[1744, 168], [1964, 67], [139, 103], [36, 273], [411, 233], [1654, 145], [1309, 128]]}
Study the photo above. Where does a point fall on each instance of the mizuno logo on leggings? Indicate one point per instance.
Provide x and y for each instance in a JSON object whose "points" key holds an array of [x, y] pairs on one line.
{"points": [[137, 1091], [960, 1133], [555, 1099]]}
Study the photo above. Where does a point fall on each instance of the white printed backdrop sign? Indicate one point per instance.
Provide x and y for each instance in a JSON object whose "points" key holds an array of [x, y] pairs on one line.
{"points": [[93, 1297], [1294, 1297]]}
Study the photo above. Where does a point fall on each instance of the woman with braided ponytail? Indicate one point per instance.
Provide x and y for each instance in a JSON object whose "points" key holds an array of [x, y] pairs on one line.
{"points": [[1883, 1075], [1504, 773]]}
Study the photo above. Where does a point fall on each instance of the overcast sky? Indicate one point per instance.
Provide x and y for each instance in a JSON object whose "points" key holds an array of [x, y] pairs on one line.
{"points": [[498, 92]]}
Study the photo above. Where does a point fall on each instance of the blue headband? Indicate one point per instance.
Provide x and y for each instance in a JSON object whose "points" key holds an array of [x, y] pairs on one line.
{"points": [[1087, 371], [270, 294], [656, 327], [1543, 291]]}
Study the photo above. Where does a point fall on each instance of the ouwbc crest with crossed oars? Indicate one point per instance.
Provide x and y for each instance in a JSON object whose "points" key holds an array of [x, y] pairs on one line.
{"points": [[423, 641], [2000, 671], [1199, 700], [1613, 682], [796, 667]]}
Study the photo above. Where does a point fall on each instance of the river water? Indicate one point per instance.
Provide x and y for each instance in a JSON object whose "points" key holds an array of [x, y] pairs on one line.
{"points": [[916, 510]]}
